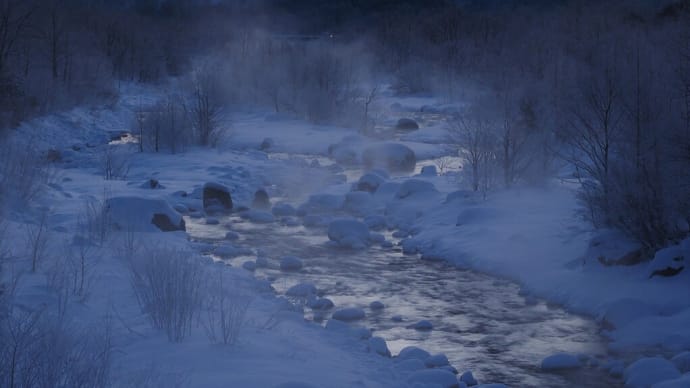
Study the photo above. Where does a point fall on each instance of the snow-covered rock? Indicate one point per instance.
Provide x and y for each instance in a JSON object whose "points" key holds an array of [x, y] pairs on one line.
{"points": [[216, 197], [290, 263], [682, 361], [228, 251], [261, 262], [375, 222], [348, 233], [668, 261], [349, 314], [212, 221], [415, 186], [301, 290], [143, 215], [369, 182], [320, 304], [428, 171], [560, 361], [646, 372], [376, 305], [282, 209], [406, 124], [378, 345], [423, 325], [412, 352], [437, 360], [468, 378], [261, 200], [434, 378], [393, 157], [232, 236]]}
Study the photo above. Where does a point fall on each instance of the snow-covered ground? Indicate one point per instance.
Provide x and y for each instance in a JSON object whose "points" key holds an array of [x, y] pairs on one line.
{"points": [[531, 236]]}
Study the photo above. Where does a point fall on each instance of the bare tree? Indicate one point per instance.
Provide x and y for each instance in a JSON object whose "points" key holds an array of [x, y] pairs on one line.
{"points": [[205, 107], [474, 137]]}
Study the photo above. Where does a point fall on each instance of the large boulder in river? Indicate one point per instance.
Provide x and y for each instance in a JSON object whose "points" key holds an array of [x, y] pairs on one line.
{"points": [[261, 200], [392, 157], [406, 124], [216, 197], [143, 215], [348, 233]]}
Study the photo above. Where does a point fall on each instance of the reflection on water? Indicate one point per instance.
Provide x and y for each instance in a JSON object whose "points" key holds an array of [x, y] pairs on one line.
{"points": [[480, 323]]}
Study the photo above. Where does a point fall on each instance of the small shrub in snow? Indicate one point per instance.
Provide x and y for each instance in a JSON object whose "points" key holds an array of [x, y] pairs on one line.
{"points": [[167, 284], [37, 237], [114, 164], [226, 309]]}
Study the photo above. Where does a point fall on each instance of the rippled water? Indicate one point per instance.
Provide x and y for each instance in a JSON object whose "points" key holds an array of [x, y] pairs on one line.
{"points": [[481, 323]]}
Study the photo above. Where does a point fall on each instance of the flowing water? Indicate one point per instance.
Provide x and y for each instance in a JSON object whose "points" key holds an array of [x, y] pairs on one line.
{"points": [[481, 323]]}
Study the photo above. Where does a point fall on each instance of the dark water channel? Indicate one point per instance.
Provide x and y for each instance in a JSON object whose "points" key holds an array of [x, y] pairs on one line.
{"points": [[481, 323]]}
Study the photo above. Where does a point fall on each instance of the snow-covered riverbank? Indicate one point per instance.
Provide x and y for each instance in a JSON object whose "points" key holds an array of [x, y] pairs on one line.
{"points": [[531, 236]]}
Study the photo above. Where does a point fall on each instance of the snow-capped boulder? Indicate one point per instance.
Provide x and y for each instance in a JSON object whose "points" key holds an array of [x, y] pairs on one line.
{"points": [[143, 215], [392, 157], [349, 314], [181, 208], [376, 305], [412, 352], [346, 152], [669, 261], [436, 361], [406, 124], [434, 378], [646, 372], [369, 182], [428, 171], [560, 361], [261, 262], [249, 266], [301, 290], [216, 197], [468, 378], [282, 209], [261, 200], [291, 263], [320, 304], [682, 361], [375, 222], [378, 345], [415, 186], [348, 233], [232, 236], [212, 221], [152, 184], [423, 325]]}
